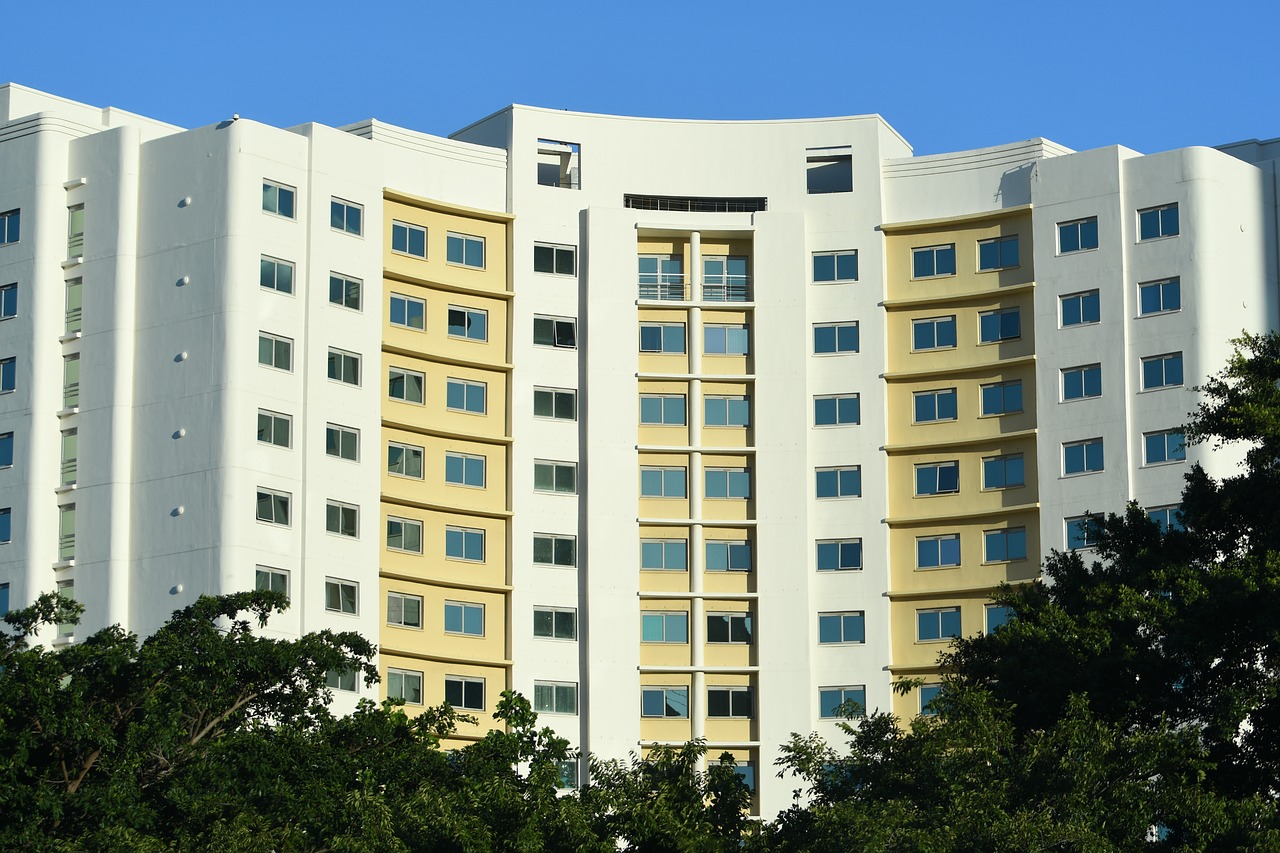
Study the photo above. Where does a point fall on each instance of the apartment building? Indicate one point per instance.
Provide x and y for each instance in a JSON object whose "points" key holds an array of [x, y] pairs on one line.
{"points": [[680, 428]]}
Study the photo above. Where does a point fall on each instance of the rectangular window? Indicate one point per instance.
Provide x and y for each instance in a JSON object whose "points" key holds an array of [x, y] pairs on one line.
{"points": [[463, 395], [273, 506], [726, 411], [75, 231], [662, 482], [931, 406], [835, 338], [938, 478], [1165, 446], [555, 623], [344, 291], [464, 693], [278, 199], [342, 519], [6, 449], [729, 702], [829, 169], [341, 679], [729, 555], [671, 702], [9, 302], [1079, 309], [661, 277], [74, 305], [66, 591], [275, 351], [1003, 472], [404, 460], [67, 532], [938, 552], [4, 598], [662, 337], [933, 333], [1160, 297], [464, 469], [662, 409], [559, 404], [70, 456], [405, 684], [839, 482], [933, 261], [1002, 398], [70, 379], [344, 367], [725, 340], [996, 326], [665, 555], [555, 697], [550, 549], [997, 616], [1082, 457], [559, 332], [1154, 222], [406, 385], [464, 249], [555, 259], [274, 428], [841, 628], [835, 266], [341, 596], [346, 216], [1083, 531], [928, 694], [1082, 383], [837, 410], [342, 442], [1162, 371], [559, 477], [272, 580], [275, 274], [724, 278], [6, 525], [408, 312], [404, 610], [10, 221], [728, 483], [1166, 517], [664, 627], [1002, 546], [840, 702], [998, 254], [404, 534], [470, 323], [408, 239], [464, 617], [839, 555], [940, 624], [1079, 235]]}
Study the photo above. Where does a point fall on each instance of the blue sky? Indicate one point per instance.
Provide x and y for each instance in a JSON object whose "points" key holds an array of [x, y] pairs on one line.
{"points": [[948, 76]]}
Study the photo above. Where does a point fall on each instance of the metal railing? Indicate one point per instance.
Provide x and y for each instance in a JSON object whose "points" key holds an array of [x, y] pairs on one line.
{"points": [[75, 246], [671, 288], [74, 316], [726, 288], [67, 546], [69, 471], [71, 395]]}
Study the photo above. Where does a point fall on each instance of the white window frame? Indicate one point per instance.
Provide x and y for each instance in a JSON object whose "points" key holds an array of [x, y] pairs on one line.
{"points": [[1163, 359], [274, 494], [664, 469], [276, 187], [332, 585], [405, 677], [341, 432], [276, 341], [1000, 243], [408, 228], [666, 566], [1159, 211], [557, 250], [934, 321], [462, 681], [465, 240], [407, 453], [404, 375], [553, 612], [1084, 445], [465, 458], [1079, 296], [468, 322], [344, 289], [346, 513], [1147, 463], [555, 395], [839, 544], [730, 691], [405, 524], [1004, 533], [1084, 370], [347, 208], [838, 398], [274, 420], [407, 301], [402, 597], [468, 535], [919, 250], [276, 265], [1077, 223], [1160, 284], [731, 547], [465, 607], [544, 540], [346, 359], [835, 255], [555, 467], [557, 690], [837, 327], [467, 386], [271, 573]]}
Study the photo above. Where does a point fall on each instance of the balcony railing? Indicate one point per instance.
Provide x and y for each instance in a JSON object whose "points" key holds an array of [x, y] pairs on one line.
{"points": [[67, 546], [671, 287], [69, 471], [73, 320], [726, 288], [75, 246], [71, 395]]}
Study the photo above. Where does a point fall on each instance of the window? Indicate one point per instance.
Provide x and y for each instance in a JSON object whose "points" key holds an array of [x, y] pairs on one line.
{"points": [[66, 591], [933, 333], [1082, 457], [558, 164], [932, 261], [1003, 472], [275, 274], [841, 628], [723, 340], [75, 231], [341, 679], [278, 199], [9, 226], [1080, 309], [728, 555], [829, 170], [1154, 222], [938, 478], [1002, 546], [463, 692], [6, 449], [464, 249], [1164, 446], [404, 610], [670, 555], [471, 323], [1162, 371], [664, 627], [464, 617], [555, 623], [75, 305], [560, 332], [1159, 297], [837, 410], [664, 702], [833, 700], [839, 482], [67, 532], [662, 337], [342, 519], [1002, 398], [662, 482], [275, 351], [341, 596], [1166, 517], [463, 469], [729, 628], [839, 555], [931, 406], [6, 525], [555, 550], [728, 483], [996, 326], [662, 409], [462, 395], [342, 442], [835, 266], [733, 702], [1077, 236], [274, 428], [406, 385], [938, 552], [661, 277], [404, 534], [1082, 383], [4, 598], [404, 460], [408, 239], [1083, 531], [273, 506], [559, 404], [344, 291], [941, 624], [408, 312], [344, 366], [726, 411], [835, 338], [555, 698], [70, 455], [998, 254], [997, 616], [929, 693], [70, 379], [557, 260], [724, 278], [8, 301], [346, 216], [404, 684], [555, 477]]}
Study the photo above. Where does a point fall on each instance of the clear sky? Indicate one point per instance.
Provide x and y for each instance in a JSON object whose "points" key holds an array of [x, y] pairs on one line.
{"points": [[948, 76]]}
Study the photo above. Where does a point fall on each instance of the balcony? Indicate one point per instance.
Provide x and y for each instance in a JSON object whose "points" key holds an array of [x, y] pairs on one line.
{"points": [[726, 288], [667, 287]]}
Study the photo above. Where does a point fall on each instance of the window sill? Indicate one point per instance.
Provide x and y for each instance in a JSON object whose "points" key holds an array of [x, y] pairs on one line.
{"points": [[64, 489], [68, 412], [72, 262], [68, 338], [65, 564]]}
